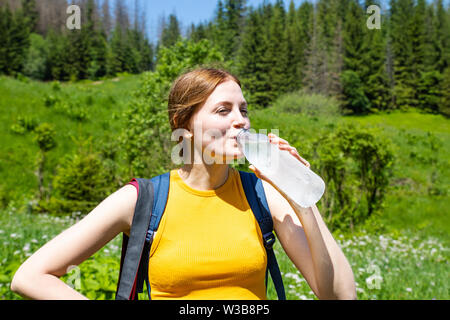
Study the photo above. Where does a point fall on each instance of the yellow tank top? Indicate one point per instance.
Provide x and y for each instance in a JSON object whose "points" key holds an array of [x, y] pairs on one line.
{"points": [[208, 245]]}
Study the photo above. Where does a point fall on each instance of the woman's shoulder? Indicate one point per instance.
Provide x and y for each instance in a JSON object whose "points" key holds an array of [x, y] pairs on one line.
{"points": [[122, 204]]}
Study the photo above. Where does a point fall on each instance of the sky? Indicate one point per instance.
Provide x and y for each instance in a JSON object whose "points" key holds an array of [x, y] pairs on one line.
{"points": [[187, 11]]}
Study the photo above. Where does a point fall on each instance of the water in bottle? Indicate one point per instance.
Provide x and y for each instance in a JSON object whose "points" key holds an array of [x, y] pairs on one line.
{"points": [[295, 179]]}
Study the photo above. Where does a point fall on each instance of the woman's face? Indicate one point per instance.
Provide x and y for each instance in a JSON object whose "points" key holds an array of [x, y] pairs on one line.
{"points": [[216, 124]]}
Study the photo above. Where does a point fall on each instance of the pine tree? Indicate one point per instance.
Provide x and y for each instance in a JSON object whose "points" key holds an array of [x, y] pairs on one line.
{"points": [[374, 74], [429, 91], [15, 41], [442, 29], [171, 33], [314, 70], [218, 26], [418, 49], [294, 50], [57, 56], [78, 59], [418, 38], [116, 53], [354, 35], [401, 44], [197, 33], [305, 18], [106, 19], [5, 25], [235, 12], [431, 42], [121, 57], [277, 54], [227, 27], [31, 14], [444, 107], [96, 43], [355, 98], [328, 26], [253, 68]]}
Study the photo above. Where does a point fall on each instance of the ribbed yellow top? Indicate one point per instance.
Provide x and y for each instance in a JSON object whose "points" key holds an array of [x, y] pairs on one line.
{"points": [[208, 245]]}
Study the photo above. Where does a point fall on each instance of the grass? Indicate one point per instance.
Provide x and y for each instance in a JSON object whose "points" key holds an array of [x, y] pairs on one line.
{"points": [[412, 203], [407, 259], [385, 267], [104, 103], [21, 234], [402, 266]]}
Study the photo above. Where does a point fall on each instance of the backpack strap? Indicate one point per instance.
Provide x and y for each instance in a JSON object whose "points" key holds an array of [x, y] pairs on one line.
{"points": [[254, 191], [161, 186], [150, 206], [133, 246]]}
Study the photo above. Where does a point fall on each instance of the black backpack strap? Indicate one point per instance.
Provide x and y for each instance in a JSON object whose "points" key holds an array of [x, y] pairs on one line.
{"points": [[254, 191], [161, 185], [135, 245]]}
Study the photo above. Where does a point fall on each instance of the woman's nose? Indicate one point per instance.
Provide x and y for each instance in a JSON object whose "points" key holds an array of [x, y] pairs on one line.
{"points": [[239, 120]]}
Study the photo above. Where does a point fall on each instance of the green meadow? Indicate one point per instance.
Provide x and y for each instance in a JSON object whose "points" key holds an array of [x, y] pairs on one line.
{"points": [[400, 253]]}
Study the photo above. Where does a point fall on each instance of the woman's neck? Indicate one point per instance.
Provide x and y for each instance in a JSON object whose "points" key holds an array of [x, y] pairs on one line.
{"points": [[203, 176]]}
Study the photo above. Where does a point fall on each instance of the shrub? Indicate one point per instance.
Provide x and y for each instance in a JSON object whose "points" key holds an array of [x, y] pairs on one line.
{"points": [[72, 109], [5, 197], [56, 86], [82, 180], [445, 89], [353, 92], [45, 137], [309, 104], [429, 91], [355, 164], [50, 100], [36, 60], [24, 124]]}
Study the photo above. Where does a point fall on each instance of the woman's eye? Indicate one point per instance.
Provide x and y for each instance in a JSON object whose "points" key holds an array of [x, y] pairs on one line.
{"points": [[226, 110]]}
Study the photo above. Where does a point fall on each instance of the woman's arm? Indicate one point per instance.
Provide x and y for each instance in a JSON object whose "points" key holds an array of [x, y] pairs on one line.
{"points": [[307, 241], [38, 276], [309, 244]]}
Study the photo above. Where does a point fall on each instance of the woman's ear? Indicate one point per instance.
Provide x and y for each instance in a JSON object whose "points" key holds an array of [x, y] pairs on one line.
{"points": [[175, 120]]}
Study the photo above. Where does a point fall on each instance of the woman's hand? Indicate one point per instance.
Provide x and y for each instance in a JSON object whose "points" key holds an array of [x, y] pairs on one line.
{"points": [[283, 145]]}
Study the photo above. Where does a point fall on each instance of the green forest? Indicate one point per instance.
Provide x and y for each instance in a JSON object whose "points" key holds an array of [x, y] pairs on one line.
{"points": [[325, 48], [85, 110]]}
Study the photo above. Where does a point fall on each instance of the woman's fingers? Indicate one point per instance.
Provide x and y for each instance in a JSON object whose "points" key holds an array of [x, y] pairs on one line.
{"points": [[284, 145], [275, 139]]}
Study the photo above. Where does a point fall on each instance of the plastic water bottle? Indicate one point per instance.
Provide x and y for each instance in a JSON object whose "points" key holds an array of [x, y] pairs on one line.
{"points": [[295, 179]]}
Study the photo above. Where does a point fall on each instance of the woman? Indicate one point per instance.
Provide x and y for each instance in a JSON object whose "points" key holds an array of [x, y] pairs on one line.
{"points": [[208, 244]]}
